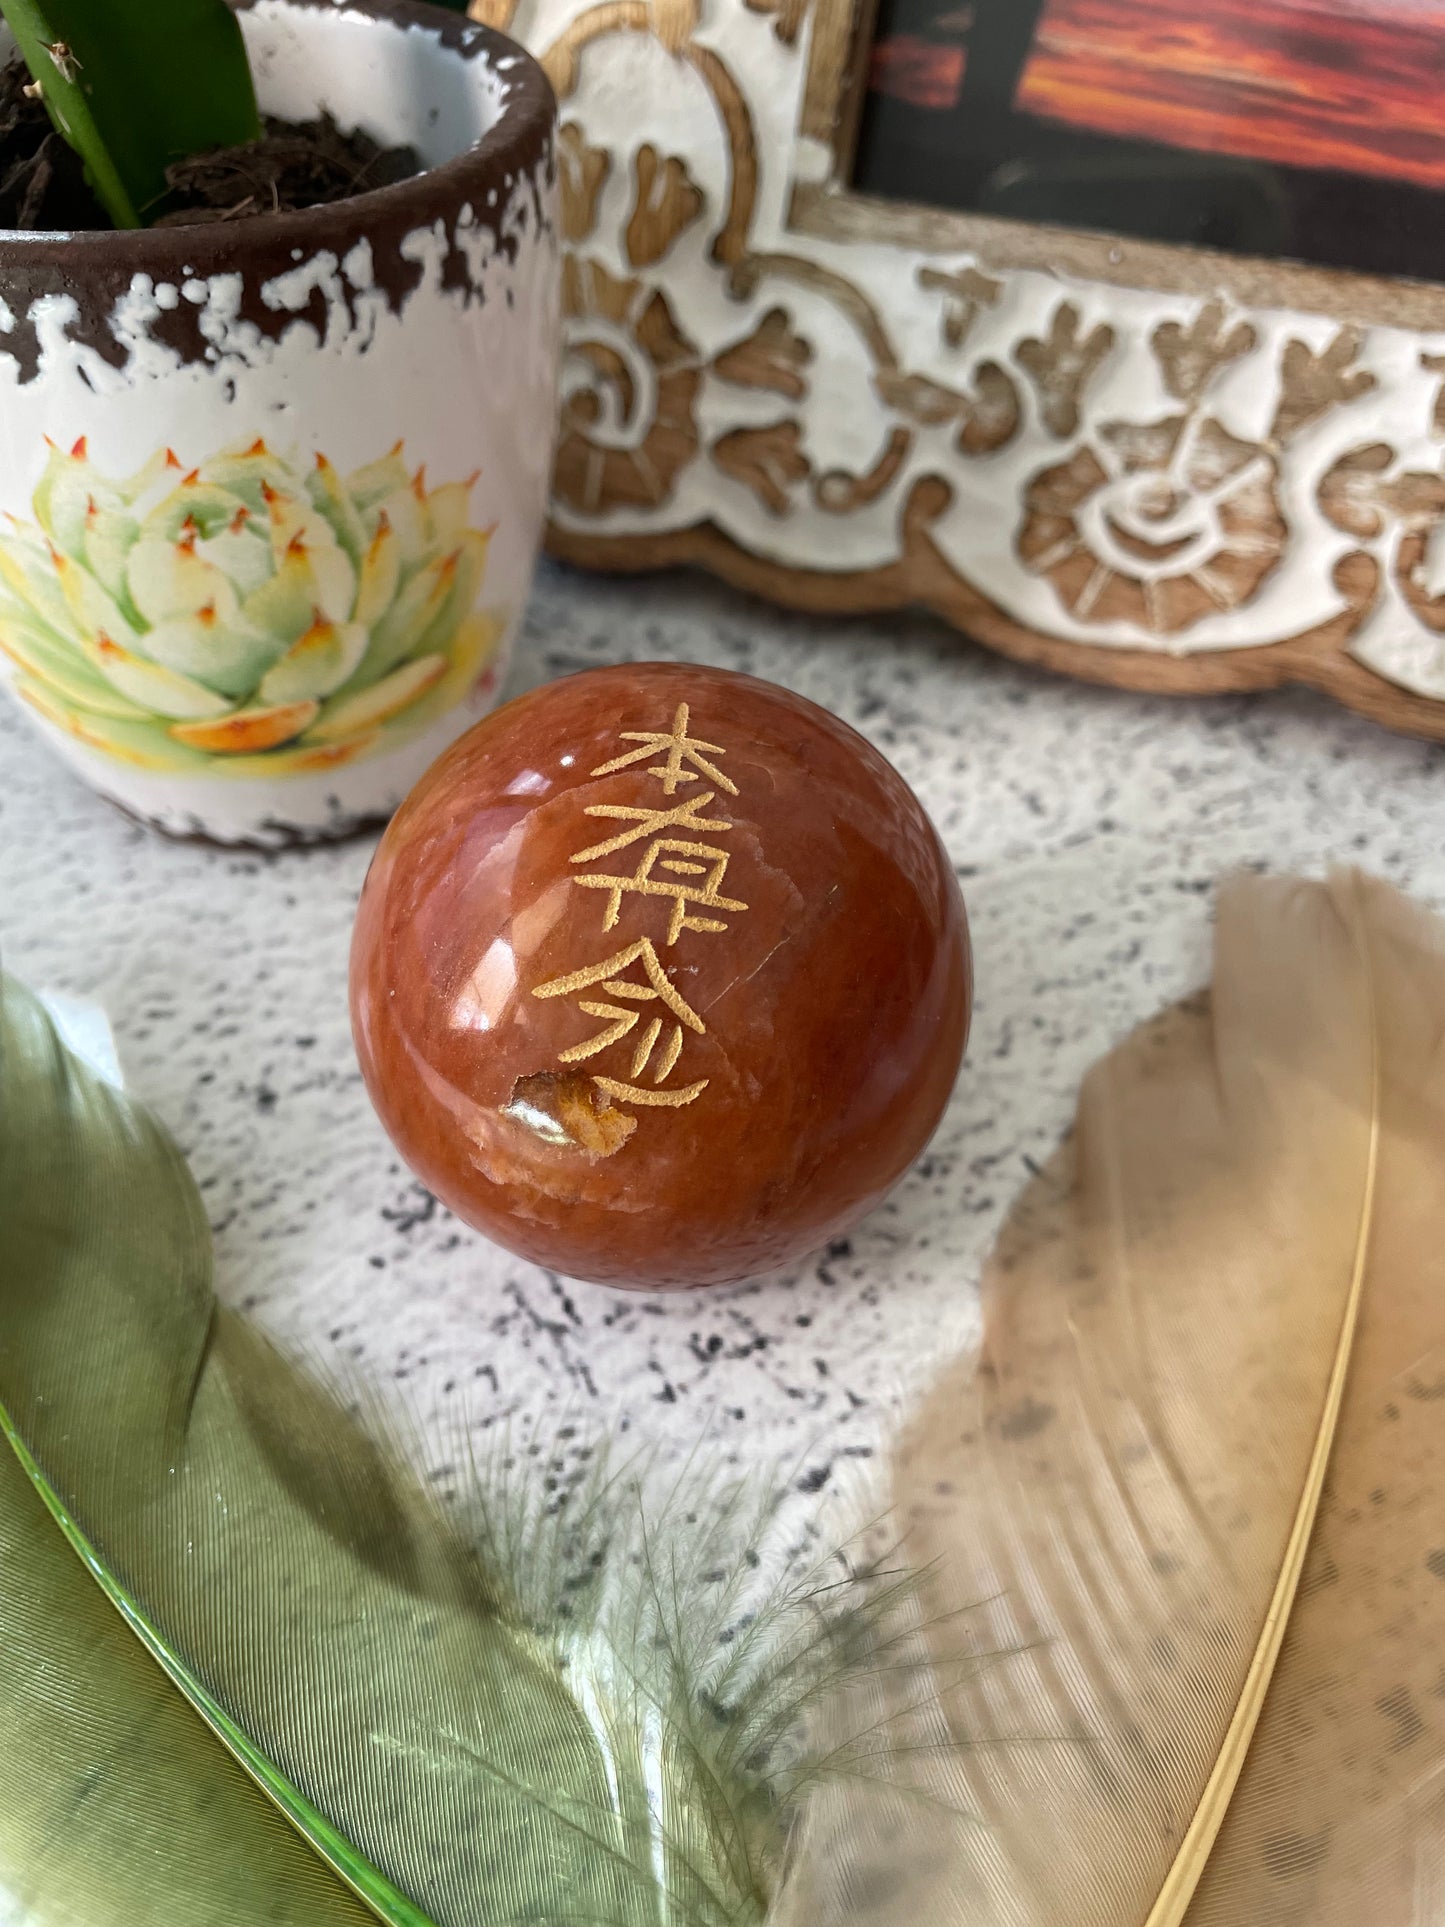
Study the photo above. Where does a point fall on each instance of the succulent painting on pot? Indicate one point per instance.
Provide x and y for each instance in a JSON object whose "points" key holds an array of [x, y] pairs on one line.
{"points": [[241, 614], [272, 484]]}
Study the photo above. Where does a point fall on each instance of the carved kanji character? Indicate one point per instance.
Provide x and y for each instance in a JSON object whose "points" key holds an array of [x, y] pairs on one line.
{"points": [[680, 748], [620, 1020]]}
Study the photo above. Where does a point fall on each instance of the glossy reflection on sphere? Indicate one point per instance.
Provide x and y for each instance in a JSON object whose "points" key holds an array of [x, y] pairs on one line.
{"points": [[660, 976]]}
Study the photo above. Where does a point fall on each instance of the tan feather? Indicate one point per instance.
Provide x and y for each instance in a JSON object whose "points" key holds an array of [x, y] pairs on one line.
{"points": [[1214, 1360], [1339, 1816]]}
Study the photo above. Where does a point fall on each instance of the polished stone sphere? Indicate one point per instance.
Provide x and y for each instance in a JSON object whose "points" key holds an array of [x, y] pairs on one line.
{"points": [[660, 976]]}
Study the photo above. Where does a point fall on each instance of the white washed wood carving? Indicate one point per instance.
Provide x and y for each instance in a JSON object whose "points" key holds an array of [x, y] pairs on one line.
{"points": [[1164, 489]]}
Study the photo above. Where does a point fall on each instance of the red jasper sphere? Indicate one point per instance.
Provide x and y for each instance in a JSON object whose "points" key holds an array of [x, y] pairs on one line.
{"points": [[660, 976]]}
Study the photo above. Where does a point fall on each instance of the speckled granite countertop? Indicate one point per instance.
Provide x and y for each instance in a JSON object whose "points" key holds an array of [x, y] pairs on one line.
{"points": [[1088, 829]]}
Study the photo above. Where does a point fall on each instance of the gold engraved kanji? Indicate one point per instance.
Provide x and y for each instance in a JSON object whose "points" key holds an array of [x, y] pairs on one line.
{"points": [[674, 865], [620, 1020], [677, 749], [683, 867], [689, 873]]}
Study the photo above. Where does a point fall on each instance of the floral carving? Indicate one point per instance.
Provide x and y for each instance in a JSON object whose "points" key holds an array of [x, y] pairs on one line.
{"points": [[1189, 358], [788, 16], [1062, 366], [964, 295], [1360, 496], [773, 356], [631, 376], [1354, 495], [1311, 384], [582, 173], [1158, 524], [1420, 558], [770, 461], [922, 399], [1144, 531], [1399, 521], [1435, 365], [988, 418], [840, 493], [674, 22], [665, 201], [629, 386], [991, 418]]}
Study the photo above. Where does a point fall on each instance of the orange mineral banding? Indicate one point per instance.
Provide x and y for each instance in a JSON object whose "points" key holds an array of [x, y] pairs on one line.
{"points": [[660, 977]]}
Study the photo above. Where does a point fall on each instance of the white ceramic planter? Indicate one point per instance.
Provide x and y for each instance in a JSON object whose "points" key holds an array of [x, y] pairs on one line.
{"points": [[271, 490]]}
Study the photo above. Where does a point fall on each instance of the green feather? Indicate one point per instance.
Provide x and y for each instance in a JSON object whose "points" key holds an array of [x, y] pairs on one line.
{"points": [[118, 1807], [530, 1708]]}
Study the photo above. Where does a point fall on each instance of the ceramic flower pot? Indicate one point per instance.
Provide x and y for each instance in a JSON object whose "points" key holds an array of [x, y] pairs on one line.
{"points": [[271, 490]]}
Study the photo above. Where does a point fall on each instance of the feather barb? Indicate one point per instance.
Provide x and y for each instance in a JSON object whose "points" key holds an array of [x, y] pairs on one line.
{"points": [[1193, 1476], [1183, 1877]]}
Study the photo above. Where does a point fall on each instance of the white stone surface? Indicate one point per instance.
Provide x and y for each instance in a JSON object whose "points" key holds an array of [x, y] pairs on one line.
{"points": [[1088, 828]]}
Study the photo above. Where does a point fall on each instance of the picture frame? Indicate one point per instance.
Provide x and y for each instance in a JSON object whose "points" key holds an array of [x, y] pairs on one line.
{"points": [[1140, 463]]}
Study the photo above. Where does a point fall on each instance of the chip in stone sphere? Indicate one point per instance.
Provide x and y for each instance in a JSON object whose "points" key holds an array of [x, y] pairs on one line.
{"points": [[660, 977]]}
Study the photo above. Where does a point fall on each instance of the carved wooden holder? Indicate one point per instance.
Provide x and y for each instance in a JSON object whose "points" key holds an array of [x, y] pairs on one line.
{"points": [[1141, 465]]}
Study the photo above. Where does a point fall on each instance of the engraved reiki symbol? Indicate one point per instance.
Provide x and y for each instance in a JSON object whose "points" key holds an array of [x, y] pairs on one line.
{"points": [[678, 865], [675, 854], [623, 1021], [681, 748]]}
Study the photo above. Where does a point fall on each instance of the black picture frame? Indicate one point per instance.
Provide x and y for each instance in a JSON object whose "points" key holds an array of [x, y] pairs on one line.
{"points": [[970, 146]]}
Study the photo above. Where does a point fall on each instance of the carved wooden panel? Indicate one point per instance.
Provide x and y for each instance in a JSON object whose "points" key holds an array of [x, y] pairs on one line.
{"points": [[1138, 465]]}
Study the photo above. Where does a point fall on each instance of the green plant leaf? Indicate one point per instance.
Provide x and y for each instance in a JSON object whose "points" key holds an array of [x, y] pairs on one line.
{"points": [[136, 87]]}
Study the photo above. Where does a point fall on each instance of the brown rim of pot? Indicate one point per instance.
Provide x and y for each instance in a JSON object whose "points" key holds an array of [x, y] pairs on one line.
{"points": [[513, 146]]}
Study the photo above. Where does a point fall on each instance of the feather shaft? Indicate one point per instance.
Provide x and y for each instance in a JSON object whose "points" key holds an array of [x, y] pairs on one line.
{"points": [[1184, 1876], [1192, 1321], [381, 1897], [1339, 1815]]}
